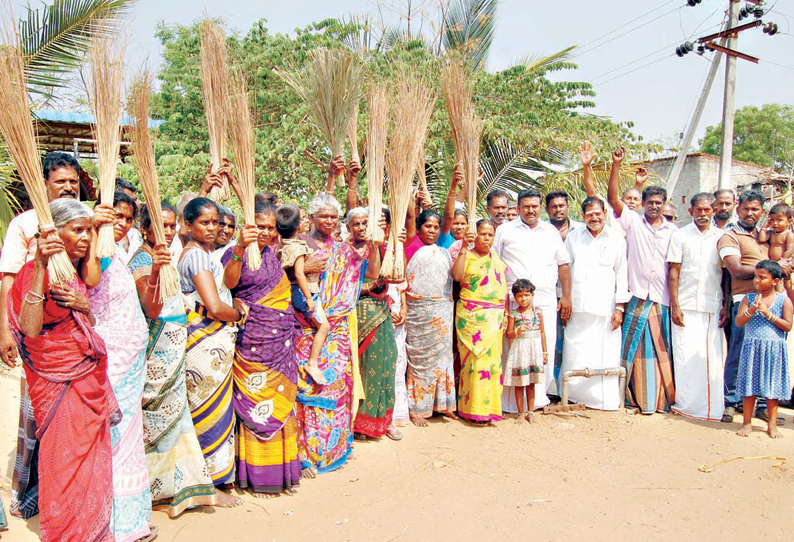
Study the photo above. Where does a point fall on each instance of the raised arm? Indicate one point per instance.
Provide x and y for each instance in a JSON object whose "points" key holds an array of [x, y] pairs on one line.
{"points": [[335, 169], [373, 265], [351, 198], [449, 207], [587, 156], [31, 313], [90, 268], [459, 267], [613, 190], [234, 267], [147, 286], [640, 176]]}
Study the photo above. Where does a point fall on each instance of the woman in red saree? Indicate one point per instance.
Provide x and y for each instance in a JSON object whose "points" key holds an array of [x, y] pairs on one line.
{"points": [[66, 368]]}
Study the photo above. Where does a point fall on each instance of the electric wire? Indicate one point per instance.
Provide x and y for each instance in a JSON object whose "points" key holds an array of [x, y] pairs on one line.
{"points": [[626, 24]]}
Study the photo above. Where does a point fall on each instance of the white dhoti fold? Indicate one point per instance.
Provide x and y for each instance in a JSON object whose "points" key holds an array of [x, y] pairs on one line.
{"points": [[541, 399], [590, 343], [698, 366]]}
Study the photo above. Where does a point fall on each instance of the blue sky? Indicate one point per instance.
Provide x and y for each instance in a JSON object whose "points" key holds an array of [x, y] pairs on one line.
{"points": [[659, 98]]}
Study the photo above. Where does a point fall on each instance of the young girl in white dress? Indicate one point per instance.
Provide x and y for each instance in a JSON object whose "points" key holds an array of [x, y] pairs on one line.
{"points": [[527, 356]]}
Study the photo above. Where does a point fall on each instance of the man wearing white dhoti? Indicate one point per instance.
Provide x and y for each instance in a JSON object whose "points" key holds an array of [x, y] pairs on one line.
{"points": [[533, 250], [599, 292], [695, 301]]}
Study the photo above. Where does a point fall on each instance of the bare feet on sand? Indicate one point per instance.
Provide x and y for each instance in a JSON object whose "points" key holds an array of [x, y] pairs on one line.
{"points": [[227, 500], [451, 415], [774, 433], [420, 422], [745, 431], [530, 417], [521, 418], [309, 473], [314, 371]]}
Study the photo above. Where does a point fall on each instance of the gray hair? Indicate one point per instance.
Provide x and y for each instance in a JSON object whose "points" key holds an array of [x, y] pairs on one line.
{"points": [[358, 211], [64, 210], [324, 201]]}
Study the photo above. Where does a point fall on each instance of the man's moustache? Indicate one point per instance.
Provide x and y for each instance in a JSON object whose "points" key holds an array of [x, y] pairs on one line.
{"points": [[68, 193]]}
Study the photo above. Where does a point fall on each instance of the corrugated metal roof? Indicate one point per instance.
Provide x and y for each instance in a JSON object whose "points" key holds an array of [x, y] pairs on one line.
{"points": [[48, 115]]}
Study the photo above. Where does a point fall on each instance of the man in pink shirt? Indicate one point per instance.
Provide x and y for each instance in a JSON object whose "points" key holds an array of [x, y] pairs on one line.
{"points": [[646, 326]]}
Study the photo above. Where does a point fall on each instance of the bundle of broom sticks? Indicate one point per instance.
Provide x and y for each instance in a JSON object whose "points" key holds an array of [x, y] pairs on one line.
{"points": [[466, 130], [214, 70], [16, 126], [242, 139], [106, 57], [331, 87], [168, 285], [377, 129], [412, 108]]}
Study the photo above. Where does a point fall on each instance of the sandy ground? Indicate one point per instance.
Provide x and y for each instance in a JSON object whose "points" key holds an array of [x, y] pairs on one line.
{"points": [[610, 477]]}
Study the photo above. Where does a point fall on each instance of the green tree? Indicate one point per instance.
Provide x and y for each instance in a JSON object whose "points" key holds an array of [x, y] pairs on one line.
{"points": [[54, 39], [761, 135], [521, 106]]}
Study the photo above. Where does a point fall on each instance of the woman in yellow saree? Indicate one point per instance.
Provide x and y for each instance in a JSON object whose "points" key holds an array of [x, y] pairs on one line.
{"points": [[480, 323]]}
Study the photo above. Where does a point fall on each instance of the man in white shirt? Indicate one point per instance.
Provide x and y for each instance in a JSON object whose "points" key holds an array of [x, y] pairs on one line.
{"points": [[695, 302], [557, 209], [533, 250], [599, 291]]}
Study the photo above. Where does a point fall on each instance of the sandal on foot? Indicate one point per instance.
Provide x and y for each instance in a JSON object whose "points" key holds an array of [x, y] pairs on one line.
{"points": [[763, 414], [727, 416], [394, 433]]}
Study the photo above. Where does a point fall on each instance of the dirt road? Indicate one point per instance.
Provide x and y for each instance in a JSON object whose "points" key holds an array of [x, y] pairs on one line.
{"points": [[611, 477]]}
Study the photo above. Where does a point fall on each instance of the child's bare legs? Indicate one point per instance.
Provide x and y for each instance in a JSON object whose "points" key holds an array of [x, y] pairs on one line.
{"points": [[531, 403], [747, 416], [313, 367], [522, 413], [771, 430]]}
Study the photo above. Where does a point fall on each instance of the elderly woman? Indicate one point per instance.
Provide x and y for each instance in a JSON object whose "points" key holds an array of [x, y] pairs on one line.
{"points": [[66, 368], [178, 475], [428, 327], [212, 319], [265, 364], [121, 324], [479, 323], [377, 349], [325, 411]]}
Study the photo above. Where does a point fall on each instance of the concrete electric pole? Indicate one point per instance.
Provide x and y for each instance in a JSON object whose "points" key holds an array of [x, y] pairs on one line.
{"points": [[729, 104]]}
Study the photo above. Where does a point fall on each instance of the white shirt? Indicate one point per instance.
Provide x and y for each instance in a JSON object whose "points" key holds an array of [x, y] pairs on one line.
{"points": [[533, 254], [19, 246], [573, 225], [599, 276], [699, 286]]}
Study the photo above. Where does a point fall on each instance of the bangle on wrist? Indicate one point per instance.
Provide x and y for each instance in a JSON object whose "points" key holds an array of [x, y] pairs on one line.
{"points": [[236, 258], [149, 283]]}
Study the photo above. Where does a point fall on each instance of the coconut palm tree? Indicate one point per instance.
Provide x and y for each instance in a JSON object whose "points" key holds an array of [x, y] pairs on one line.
{"points": [[54, 39]]}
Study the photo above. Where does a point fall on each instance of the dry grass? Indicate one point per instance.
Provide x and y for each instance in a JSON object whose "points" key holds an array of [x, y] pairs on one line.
{"points": [[16, 127], [215, 84], [377, 127], [147, 172], [412, 108], [242, 139], [331, 87], [106, 57], [466, 129]]}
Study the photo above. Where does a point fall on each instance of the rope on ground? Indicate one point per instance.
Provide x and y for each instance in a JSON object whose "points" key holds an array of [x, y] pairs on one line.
{"points": [[706, 468]]}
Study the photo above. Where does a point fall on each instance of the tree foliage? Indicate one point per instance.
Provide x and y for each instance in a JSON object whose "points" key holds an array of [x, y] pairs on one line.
{"points": [[522, 107], [761, 135]]}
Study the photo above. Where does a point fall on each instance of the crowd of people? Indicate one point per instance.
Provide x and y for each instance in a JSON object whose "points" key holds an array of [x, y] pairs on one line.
{"points": [[258, 377]]}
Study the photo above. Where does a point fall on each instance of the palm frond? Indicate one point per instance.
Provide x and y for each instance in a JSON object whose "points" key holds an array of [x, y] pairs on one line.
{"points": [[535, 62], [505, 167], [54, 38], [468, 28]]}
